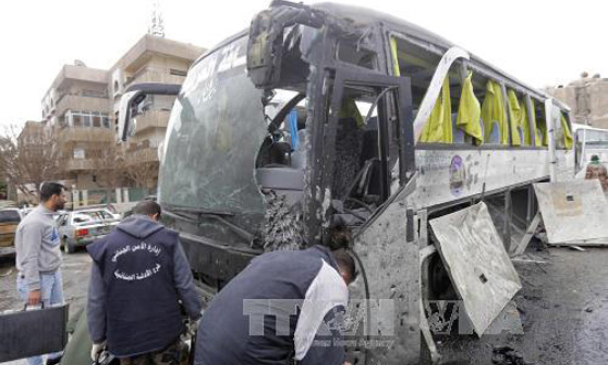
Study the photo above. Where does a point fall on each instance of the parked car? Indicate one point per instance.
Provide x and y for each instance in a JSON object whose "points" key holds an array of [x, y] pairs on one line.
{"points": [[81, 227], [9, 220]]}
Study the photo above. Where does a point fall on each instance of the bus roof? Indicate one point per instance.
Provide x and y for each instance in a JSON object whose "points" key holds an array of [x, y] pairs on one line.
{"points": [[577, 126], [363, 16]]}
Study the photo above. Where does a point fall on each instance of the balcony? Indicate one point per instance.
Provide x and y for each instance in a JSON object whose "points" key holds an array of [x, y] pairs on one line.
{"points": [[152, 119], [79, 165], [142, 155], [154, 74], [90, 134], [77, 102]]}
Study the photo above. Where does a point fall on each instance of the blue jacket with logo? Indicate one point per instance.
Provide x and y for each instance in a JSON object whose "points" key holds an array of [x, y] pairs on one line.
{"points": [[139, 274]]}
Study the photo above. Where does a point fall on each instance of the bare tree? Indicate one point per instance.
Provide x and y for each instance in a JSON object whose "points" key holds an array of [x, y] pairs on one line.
{"points": [[108, 160], [143, 174], [30, 156]]}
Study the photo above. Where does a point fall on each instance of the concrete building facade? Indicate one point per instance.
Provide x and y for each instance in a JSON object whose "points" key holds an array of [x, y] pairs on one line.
{"points": [[78, 108], [82, 105], [588, 99], [150, 60]]}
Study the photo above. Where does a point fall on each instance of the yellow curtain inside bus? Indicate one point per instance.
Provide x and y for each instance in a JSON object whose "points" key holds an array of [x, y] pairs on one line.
{"points": [[469, 112], [568, 140], [516, 114], [541, 128], [395, 57], [349, 109], [493, 113], [438, 128], [525, 123], [532, 124]]}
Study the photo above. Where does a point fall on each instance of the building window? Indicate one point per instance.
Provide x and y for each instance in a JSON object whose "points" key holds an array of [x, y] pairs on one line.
{"points": [[79, 154], [106, 120], [95, 93], [175, 72], [77, 119], [96, 120], [87, 119]]}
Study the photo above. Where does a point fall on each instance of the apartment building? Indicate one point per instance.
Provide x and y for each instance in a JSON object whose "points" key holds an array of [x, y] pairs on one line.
{"points": [[77, 107], [82, 103], [588, 99], [151, 60]]}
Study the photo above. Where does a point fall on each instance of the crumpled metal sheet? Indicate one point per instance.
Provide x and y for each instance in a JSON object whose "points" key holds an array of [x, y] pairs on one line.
{"points": [[477, 262], [392, 268], [573, 211]]}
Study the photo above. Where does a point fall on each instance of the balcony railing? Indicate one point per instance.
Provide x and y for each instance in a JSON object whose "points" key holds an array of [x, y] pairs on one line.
{"points": [[79, 165], [158, 75], [153, 118], [77, 102], [86, 134], [142, 155]]}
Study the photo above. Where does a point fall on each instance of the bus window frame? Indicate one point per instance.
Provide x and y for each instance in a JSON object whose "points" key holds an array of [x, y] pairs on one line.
{"points": [[401, 100], [475, 65]]}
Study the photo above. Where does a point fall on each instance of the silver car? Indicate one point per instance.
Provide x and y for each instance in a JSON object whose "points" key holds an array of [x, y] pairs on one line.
{"points": [[79, 228]]}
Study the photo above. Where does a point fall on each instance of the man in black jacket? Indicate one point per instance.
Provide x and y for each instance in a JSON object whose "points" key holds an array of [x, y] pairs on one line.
{"points": [[284, 305], [138, 276]]}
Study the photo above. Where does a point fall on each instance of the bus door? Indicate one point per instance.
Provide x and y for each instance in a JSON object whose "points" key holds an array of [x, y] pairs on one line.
{"points": [[370, 130]]}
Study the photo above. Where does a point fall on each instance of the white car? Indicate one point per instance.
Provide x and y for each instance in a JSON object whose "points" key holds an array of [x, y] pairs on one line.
{"points": [[81, 227]]}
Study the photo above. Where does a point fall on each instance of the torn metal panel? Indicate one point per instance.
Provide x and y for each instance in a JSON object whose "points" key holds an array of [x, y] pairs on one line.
{"points": [[507, 321], [477, 262], [595, 242], [392, 271], [573, 211]]}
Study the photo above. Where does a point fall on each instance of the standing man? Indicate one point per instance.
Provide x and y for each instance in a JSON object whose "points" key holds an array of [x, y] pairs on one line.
{"points": [[38, 256], [284, 305], [595, 170], [139, 275]]}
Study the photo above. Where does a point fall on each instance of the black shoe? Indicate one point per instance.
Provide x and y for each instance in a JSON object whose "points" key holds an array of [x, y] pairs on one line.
{"points": [[53, 361]]}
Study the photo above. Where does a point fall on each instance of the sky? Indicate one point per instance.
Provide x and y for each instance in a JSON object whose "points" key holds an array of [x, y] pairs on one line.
{"points": [[540, 42]]}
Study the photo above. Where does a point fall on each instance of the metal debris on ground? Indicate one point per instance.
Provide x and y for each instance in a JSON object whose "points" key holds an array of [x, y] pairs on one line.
{"points": [[506, 355], [477, 263], [573, 211]]}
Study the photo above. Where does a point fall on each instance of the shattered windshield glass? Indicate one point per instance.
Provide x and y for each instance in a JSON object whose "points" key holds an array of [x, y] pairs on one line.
{"points": [[215, 130]]}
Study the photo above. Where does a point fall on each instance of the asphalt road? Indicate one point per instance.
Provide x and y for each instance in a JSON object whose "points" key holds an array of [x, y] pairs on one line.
{"points": [[564, 311], [75, 270], [563, 307]]}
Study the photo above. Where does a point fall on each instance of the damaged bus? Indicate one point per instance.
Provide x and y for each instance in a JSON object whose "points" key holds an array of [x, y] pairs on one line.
{"points": [[330, 114]]}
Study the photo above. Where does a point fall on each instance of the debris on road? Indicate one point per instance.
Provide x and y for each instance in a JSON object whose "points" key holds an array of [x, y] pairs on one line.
{"points": [[505, 355]]}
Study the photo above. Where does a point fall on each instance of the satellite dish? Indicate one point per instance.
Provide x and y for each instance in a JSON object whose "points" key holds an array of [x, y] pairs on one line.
{"points": [[79, 63]]}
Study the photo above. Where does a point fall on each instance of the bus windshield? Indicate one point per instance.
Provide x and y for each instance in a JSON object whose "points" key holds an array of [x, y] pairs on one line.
{"points": [[213, 136]]}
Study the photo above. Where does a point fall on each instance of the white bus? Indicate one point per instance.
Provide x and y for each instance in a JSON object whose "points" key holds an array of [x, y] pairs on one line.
{"points": [[386, 124], [589, 141]]}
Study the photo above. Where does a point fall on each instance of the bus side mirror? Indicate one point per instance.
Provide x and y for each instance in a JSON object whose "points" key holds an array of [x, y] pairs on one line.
{"points": [[126, 112], [265, 47], [130, 101]]}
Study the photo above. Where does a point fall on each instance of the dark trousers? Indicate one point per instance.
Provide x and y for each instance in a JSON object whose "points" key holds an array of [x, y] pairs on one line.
{"points": [[174, 354]]}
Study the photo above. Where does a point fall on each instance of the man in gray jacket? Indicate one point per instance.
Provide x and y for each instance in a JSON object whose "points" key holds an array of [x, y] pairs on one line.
{"points": [[38, 255], [139, 275]]}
